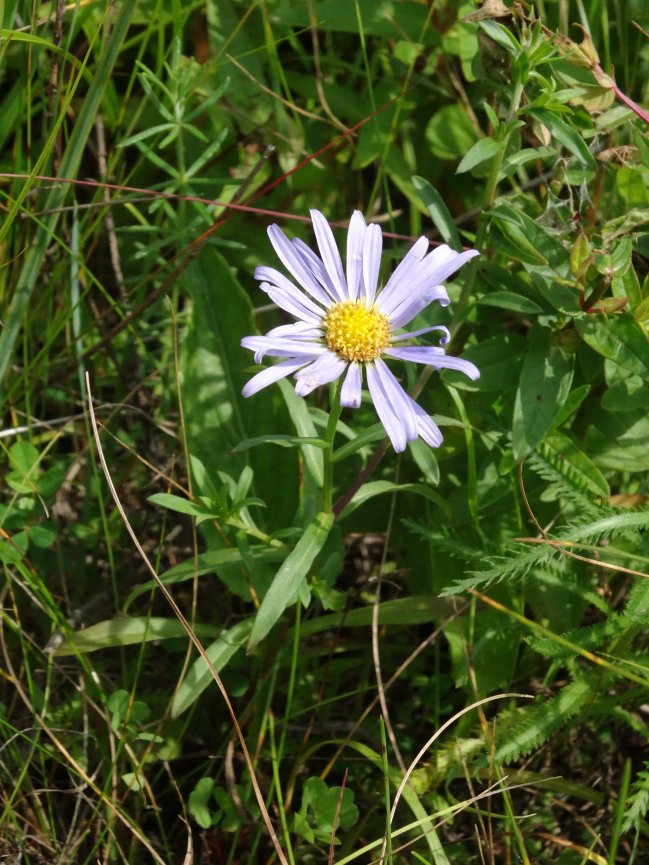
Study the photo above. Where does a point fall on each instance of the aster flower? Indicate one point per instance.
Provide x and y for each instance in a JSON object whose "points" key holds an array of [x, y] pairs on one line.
{"points": [[345, 324]]}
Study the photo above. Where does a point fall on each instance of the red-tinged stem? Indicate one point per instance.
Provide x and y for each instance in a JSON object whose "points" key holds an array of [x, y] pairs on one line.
{"points": [[637, 109]]}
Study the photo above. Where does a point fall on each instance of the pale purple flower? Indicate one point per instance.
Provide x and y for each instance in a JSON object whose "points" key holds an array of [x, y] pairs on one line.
{"points": [[345, 323]]}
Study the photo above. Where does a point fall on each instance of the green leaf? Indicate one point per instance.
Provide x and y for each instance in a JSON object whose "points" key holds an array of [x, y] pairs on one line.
{"points": [[510, 300], [565, 135], [543, 388], [284, 441], [438, 212], [450, 132], [127, 631], [292, 574], [198, 803], [377, 488], [402, 612], [426, 460], [482, 151], [199, 676], [499, 360], [305, 428], [618, 338], [213, 368], [374, 433], [207, 563], [178, 504], [67, 166], [24, 458]]}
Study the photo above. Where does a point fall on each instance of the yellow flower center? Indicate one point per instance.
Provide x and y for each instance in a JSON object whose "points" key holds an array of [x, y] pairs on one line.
{"points": [[355, 331]]}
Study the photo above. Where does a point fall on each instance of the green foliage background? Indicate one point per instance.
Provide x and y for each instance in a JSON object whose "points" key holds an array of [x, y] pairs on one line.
{"points": [[144, 149]]}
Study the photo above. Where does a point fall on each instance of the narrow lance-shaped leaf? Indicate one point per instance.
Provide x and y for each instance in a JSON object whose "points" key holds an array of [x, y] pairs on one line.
{"points": [[284, 588]]}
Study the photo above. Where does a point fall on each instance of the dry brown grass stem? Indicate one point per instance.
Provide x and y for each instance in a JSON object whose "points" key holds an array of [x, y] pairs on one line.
{"points": [[188, 630]]}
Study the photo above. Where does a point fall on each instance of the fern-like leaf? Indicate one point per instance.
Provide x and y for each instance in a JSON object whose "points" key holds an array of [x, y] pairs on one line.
{"points": [[530, 727], [638, 802], [521, 559]]}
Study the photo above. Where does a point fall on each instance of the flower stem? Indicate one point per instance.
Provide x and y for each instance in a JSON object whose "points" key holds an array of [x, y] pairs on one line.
{"points": [[330, 435]]}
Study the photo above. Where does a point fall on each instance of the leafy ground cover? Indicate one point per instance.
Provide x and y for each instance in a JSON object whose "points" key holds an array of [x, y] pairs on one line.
{"points": [[241, 630]]}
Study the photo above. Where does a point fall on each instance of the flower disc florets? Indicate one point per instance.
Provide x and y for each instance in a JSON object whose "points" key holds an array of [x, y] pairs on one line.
{"points": [[356, 331], [347, 324]]}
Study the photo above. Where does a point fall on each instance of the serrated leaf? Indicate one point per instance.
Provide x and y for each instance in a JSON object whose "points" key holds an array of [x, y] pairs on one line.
{"points": [[579, 466]]}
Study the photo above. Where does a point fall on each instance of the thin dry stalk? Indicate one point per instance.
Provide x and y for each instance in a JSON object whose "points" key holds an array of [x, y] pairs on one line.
{"points": [[188, 630]]}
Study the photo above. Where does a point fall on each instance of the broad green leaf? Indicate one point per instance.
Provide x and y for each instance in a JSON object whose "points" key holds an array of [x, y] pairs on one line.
{"points": [[516, 242], [510, 300], [377, 488], [213, 370], [565, 135], [425, 458], [438, 211], [450, 132], [199, 676], [482, 151], [281, 440], [499, 360], [410, 20], [619, 338], [286, 585], [127, 631], [618, 441], [24, 458], [543, 388]]}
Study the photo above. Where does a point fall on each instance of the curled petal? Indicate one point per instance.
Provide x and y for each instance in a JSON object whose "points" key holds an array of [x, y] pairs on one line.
{"points": [[299, 329], [350, 393], [412, 306], [446, 338], [434, 357], [281, 347], [328, 367]]}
